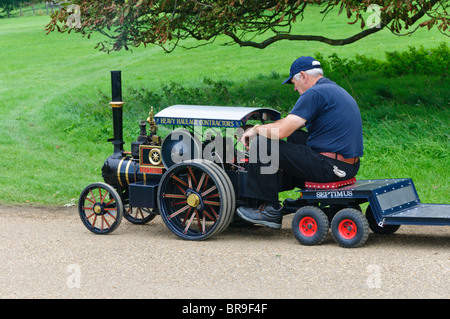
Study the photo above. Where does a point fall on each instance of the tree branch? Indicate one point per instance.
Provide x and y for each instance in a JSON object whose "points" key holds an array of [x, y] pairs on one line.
{"points": [[135, 22], [296, 37], [335, 42]]}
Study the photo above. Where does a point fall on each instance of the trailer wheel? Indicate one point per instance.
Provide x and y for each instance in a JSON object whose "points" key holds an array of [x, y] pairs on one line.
{"points": [[377, 229], [139, 215], [196, 199], [350, 228], [310, 225], [100, 208]]}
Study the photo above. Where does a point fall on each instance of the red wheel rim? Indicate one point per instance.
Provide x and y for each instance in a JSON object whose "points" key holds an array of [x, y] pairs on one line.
{"points": [[347, 229], [307, 226]]}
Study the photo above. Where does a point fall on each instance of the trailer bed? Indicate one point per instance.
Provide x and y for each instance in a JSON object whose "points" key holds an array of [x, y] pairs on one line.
{"points": [[393, 201], [429, 214]]}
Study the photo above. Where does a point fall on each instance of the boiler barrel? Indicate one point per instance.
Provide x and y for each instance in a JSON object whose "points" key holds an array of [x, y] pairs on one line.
{"points": [[121, 172]]}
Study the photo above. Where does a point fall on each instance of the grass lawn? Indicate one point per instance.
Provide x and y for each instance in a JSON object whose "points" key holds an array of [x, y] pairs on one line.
{"points": [[50, 150]]}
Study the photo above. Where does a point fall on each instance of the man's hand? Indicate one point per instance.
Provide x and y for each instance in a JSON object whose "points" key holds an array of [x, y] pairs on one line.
{"points": [[248, 136], [277, 130]]}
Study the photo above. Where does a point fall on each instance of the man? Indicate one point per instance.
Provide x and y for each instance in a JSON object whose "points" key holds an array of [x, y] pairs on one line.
{"points": [[328, 152]]}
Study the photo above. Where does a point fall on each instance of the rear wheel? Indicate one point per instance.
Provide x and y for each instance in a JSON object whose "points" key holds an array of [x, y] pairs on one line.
{"points": [[377, 229], [196, 199], [350, 228], [310, 225], [100, 208]]}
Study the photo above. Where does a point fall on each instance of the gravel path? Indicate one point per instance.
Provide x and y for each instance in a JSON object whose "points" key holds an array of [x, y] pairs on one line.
{"points": [[48, 253]]}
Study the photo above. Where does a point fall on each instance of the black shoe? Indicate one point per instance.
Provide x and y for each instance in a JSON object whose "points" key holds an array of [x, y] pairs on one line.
{"points": [[265, 215]]}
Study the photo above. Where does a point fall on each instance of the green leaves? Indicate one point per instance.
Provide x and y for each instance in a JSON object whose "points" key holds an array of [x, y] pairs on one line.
{"points": [[166, 22]]}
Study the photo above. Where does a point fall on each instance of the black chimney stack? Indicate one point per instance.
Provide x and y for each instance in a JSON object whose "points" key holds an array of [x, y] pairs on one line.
{"points": [[116, 103]]}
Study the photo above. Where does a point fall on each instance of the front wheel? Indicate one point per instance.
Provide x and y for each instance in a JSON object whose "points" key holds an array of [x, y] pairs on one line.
{"points": [[350, 228], [100, 208], [310, 225]]}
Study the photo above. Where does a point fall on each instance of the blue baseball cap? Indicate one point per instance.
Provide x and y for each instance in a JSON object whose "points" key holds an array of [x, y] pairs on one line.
{"points": [[303, 63]]}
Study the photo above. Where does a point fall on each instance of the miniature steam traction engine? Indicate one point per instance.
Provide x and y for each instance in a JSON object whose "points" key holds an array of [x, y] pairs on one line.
{"points": [[195, 177], [192, 184]]}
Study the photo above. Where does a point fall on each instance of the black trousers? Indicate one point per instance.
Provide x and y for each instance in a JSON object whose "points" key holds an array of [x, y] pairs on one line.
{"points": [[296, 161]]}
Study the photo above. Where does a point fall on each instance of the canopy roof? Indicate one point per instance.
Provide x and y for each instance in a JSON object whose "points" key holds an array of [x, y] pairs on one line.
{"points": [[219, 116]]}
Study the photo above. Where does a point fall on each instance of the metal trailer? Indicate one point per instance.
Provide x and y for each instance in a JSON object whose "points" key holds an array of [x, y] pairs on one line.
{"points": [[195, 179], [392, 202]]}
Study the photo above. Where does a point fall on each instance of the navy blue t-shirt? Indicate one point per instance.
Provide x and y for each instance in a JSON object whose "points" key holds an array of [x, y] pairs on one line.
{"points": [[332, 119]]}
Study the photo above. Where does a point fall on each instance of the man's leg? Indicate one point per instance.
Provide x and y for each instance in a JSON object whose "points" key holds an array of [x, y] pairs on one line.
{"points": [[297, 160], [262, 186], [265, 186]]}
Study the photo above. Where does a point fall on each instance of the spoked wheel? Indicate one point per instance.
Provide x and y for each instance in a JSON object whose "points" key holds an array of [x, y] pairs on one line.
{"points": [[100, 208], [139, 215], [310, 225], [350, 228], [196, 199]]}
